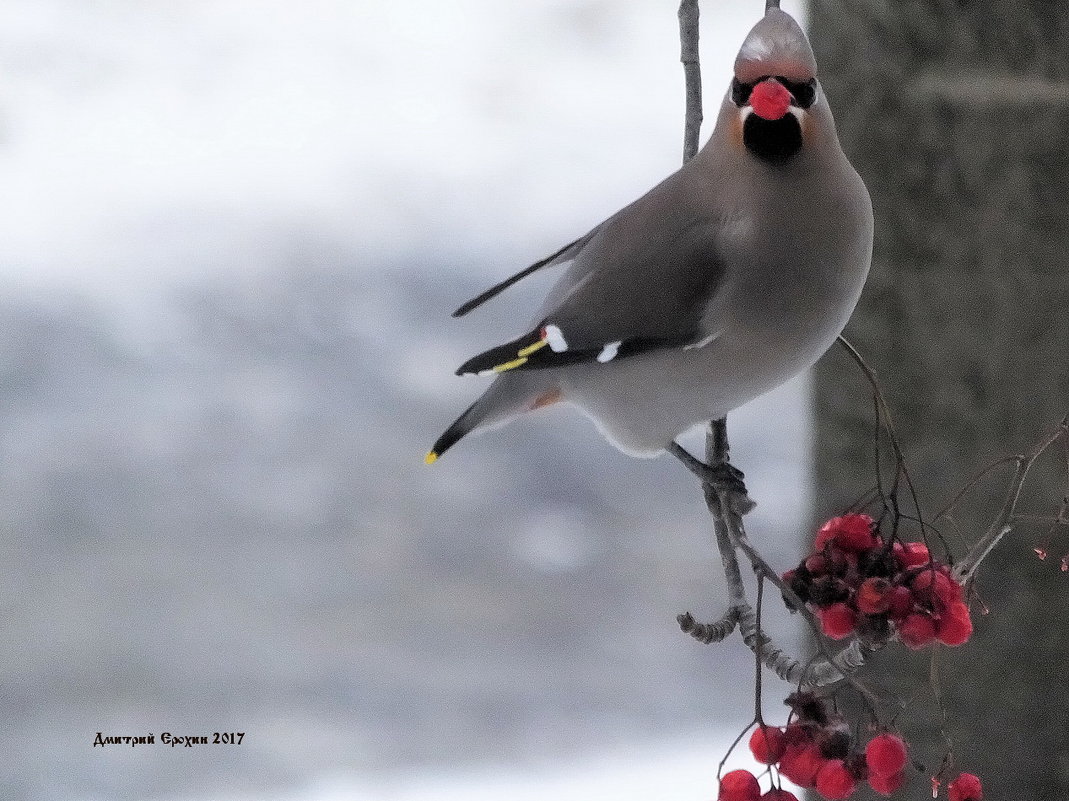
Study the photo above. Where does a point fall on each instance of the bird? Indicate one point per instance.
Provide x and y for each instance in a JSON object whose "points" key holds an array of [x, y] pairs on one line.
{"points": [[728, 278]]}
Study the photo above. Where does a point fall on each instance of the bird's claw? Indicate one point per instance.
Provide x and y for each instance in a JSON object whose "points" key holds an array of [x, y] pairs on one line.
{"points": [[722, 478], [726, 479]]}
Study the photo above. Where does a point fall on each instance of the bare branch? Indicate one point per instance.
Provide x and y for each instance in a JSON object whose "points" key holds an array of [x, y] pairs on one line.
{"points": [[692, 73], [731, 535], [1002, 524], [884, 411], [972, 482], [708, 633]]}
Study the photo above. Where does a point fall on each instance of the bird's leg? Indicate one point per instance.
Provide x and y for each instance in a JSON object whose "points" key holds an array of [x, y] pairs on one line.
{"points": [[721, 476]]}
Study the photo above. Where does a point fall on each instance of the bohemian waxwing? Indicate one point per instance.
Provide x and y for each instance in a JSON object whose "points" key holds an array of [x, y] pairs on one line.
{"points": [[728, 278]]}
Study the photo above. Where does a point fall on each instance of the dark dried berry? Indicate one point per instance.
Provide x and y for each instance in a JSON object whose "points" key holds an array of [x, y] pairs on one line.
{"points": [[808, 708], [874, 628], [858, 766], [877, 562], [827, 591], [834, 741], [801, 587]]}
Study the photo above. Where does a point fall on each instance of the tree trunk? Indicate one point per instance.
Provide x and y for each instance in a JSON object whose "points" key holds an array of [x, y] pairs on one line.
{"points": [[957, 116]]}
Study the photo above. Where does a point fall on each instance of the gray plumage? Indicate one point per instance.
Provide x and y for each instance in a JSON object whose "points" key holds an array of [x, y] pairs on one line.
{"points": [[731, 276]]}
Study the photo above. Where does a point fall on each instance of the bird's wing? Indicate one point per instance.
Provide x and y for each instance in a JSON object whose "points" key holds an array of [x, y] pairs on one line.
{"points": [[631, 291], [566, 253]]}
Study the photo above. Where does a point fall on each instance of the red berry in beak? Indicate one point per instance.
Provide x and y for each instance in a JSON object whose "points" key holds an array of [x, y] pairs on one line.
{"points": [[770, 99]]}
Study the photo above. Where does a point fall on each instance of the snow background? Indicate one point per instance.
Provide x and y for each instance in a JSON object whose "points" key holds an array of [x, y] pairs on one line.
{"points": [[233, 233]]}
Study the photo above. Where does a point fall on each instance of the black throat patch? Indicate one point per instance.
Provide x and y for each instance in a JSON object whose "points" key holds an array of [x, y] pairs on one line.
{"points": [[772, 140]]}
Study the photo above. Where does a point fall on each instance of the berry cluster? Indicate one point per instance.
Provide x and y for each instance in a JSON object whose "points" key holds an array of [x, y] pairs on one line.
{"points": [[815, 751], [802, 756], [860, 584]]}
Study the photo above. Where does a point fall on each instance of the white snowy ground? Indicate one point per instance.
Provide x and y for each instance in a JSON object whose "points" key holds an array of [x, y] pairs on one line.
{"points": [[681, 771]]}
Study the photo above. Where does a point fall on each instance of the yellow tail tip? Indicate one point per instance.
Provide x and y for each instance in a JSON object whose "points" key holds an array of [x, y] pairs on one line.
{"points": [[430, 458]]}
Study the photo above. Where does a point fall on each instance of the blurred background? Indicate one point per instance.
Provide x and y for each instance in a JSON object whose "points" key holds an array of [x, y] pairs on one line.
{"points": [[232, 235]]}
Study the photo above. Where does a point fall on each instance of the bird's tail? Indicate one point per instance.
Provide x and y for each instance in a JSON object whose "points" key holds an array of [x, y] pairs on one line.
{"points": [[506, 398]]}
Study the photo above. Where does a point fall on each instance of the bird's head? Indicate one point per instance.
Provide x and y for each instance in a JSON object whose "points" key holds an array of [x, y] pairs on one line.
{"points": [[775, 93]]}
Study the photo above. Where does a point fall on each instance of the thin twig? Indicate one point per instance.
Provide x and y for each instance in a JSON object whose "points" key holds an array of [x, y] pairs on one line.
{"points": [[708, 633], [692, 74], [758, 684], [1002, 526], [900, 460], [972, 482]]}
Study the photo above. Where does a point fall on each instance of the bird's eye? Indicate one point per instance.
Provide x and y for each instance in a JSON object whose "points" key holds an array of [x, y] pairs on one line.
{"points": [[804, 92], [740, 92]]}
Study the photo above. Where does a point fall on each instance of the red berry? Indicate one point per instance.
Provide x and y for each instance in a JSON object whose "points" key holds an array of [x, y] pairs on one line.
{"points": [[885, 755], [817, 564], [770, 99], [801, 763], [767, 744], [776, 794], [852, 532], [886, 785], [837, 620], [965, 788], [797, 734], [826, 534], [834, 781], [917, 631], [954, 626], [901, 602], [739, 785], [873, 596], [855, 533], [913, 554], [937, 589]]}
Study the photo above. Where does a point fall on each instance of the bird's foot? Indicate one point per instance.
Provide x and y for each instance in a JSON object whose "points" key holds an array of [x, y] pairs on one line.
{"points": [[729, 481], [723, 477]]}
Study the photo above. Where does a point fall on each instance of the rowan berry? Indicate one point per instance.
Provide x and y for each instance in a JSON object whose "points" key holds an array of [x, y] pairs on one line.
{"points": [[837, 621], [965, 788], [954, 626], [767, 744], [912, 554], [901, 602], [777, 794], [873, 596], [739, 785], [834, 781], [885, 755], [801, 763], [916, 631], [887, 785]]}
